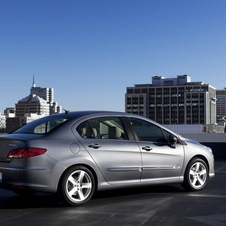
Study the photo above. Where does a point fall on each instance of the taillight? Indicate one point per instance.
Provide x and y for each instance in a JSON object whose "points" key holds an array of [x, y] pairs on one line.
{"points": [[19, 153]]}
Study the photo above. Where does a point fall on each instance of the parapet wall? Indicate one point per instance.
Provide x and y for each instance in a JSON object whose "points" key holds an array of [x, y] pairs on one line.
{"points": [[216, 141]]}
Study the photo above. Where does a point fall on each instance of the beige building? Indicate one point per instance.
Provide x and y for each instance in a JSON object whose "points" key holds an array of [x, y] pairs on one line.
{"points": [[32, 104]]}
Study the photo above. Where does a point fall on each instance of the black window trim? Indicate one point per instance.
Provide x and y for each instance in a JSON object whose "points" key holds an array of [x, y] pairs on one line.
{"points": [[128, 128]]}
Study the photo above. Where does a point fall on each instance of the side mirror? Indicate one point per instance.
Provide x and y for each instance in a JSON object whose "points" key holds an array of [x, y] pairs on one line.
{"points": [[172, 141]]}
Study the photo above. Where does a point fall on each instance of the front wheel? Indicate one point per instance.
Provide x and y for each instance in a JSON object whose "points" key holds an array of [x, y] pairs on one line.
{"points": [[196, 175], [77, 185]]}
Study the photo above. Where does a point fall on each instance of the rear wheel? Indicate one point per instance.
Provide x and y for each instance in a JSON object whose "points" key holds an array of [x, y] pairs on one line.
{"points": [[196, 175], [77, 186]]}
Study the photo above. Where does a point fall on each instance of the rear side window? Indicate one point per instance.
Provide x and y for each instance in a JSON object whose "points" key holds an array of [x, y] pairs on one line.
{"points": [[48, 126], [147, 131], [102, 128], [42, 126]]}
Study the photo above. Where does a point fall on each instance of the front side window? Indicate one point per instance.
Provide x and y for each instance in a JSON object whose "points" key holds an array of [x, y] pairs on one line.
{"points": [[102, 128], [147, 131]]}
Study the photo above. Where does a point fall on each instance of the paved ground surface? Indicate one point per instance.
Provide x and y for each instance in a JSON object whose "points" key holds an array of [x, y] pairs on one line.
{"points": [[158, 205]]}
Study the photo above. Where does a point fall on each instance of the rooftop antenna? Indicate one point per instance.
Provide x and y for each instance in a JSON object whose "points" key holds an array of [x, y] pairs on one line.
{"points": [[66, 111], [33, 84]]}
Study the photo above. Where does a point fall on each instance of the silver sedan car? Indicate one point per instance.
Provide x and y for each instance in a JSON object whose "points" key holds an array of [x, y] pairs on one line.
{"points": [[74, 154]]}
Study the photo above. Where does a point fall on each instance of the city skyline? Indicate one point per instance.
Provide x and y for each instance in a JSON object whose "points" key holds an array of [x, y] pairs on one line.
{"points": [[90, 51]]}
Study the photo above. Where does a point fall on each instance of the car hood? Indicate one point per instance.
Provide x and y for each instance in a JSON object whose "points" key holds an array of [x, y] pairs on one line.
{"points": [[187, 140]]}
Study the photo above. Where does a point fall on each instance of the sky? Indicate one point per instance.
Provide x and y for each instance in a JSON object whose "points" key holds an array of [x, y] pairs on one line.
{"points": [[89, 51]]}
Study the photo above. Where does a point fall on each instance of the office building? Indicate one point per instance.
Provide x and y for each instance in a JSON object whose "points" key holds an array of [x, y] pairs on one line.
{"points": [[32, 104], [221, 104], [45, 93], [39, 103], [173, 101], [48, 95], [2, 123]]}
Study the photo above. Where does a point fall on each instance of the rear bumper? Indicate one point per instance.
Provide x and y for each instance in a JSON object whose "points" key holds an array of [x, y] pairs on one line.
{"points": [[34, 179], [29, 178]]}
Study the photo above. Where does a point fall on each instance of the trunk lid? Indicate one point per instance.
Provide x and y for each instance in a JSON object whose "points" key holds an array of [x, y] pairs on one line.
{"points": [[6, 145], [11, 141]]}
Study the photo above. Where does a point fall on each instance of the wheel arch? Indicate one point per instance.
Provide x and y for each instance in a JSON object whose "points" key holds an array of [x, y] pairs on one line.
{"points": [[200, 157], [76, 165]]}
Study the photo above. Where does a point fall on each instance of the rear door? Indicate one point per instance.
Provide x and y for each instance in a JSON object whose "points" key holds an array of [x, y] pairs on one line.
{"points": [[118, 158], [159, 160]]}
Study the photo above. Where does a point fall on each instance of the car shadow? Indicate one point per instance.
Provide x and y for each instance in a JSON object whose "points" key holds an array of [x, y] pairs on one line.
{"points": [[153, 189], [45, 200], [39, 200]]}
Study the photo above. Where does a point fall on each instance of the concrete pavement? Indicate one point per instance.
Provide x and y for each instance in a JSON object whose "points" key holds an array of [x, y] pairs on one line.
{"points": [[153, 205]]}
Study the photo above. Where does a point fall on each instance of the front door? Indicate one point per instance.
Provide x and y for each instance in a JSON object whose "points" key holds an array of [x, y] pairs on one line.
{"points": [[159, 160]]}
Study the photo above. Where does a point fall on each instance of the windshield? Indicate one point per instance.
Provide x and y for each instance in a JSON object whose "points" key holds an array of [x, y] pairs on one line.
{"points": [[43, 125]]}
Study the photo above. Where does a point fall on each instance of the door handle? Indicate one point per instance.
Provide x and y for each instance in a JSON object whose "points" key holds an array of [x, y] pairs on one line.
{"points": [[147, 148], [95, 146]]}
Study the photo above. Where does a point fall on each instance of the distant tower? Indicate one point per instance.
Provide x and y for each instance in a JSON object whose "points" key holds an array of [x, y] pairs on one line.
{"points": [[33, 84], [45, 93]]}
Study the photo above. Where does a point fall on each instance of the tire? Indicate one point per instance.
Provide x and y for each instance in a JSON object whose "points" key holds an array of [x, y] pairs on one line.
{"points": [[196, 175], [77, 186]]}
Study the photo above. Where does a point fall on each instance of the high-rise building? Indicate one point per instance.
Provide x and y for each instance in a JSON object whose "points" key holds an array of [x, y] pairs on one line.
{"points": [[221, 104], [45, 93], [173, 101], [48, 95]]}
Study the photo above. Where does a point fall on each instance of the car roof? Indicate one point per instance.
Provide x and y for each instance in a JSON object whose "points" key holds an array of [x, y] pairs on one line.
{"points": [[84, 113]]}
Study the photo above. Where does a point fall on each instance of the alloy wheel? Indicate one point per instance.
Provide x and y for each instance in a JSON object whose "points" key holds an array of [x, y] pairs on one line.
{"points": [[197, 175], [78, 186]]}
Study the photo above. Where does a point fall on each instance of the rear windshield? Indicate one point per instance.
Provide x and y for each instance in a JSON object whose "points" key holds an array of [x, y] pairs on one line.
{"points": [[43, 125]]}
